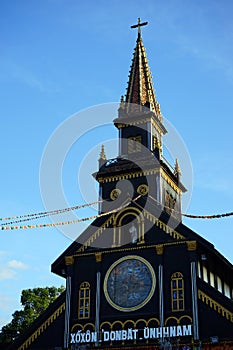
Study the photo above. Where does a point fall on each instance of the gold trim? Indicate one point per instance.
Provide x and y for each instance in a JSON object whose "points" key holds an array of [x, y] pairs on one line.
{"points": [[84, 300], [115, 194], [159, 249], [134, 323], [175, 301], [142, 189], [118, 217], [127, 176], [156, 143], [83, 326], [136, 174], [178, 319], [69, 260], [168, 179], [136, 307], [134, 144], [141, 121], [139, 247], [42, 328], [192, 245], [168, 230], [98, 257], [96, 234], [215, 305], [102, 154], [143, 173], [118, 221], [187, 316], [177, 170]]}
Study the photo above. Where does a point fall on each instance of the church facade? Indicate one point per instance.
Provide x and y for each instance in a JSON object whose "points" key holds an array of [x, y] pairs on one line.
{"points": [[141, 279]]}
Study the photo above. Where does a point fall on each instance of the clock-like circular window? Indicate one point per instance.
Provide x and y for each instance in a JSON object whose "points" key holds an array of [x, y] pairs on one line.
{"points": [[142, 189], [129, 283], [115, 194]]}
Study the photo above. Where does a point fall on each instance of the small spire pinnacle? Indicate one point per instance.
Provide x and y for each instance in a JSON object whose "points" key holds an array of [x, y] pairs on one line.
{"points": [[139, 25], [177, 171], [102, 158], [102, 154], [122, 101]]}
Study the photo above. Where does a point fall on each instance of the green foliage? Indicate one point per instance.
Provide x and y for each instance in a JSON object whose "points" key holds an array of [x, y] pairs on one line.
{"points": [[34, 302]]}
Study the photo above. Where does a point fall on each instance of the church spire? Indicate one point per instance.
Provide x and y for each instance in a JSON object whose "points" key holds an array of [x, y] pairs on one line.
{"points": [[140, 88]]}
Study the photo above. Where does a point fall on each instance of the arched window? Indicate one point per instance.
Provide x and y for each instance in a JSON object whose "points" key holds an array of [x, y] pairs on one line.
{"points": [[177, 291], [129, 226], [84, 300]]}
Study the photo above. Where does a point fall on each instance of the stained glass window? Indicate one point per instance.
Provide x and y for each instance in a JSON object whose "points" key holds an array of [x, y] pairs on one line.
{"points": [[129, 283]]}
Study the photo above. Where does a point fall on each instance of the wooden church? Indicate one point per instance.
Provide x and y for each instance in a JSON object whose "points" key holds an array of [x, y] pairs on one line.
{"points": [[141, 279]]}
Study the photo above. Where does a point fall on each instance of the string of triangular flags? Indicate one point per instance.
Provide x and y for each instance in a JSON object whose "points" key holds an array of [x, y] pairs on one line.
{"points": [[27, 217], [7, 227], [214, 216], [32, 216], [191, 216], [61, 223]]}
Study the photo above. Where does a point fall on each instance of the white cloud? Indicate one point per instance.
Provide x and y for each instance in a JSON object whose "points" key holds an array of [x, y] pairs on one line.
{"points": [[6, 273], [15, 264], [8, 270]]}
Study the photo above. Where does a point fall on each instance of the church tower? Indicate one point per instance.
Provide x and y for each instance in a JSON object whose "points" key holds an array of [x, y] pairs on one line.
{"points": [[140, 159]]}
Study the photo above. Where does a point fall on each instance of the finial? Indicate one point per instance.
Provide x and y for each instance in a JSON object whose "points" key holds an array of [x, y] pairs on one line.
{"points": [[139, 25], [177, 171], [102, 153], [122, 101]]}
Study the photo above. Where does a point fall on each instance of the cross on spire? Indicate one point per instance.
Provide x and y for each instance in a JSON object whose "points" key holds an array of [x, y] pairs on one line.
{"points": [[139, 25]]}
